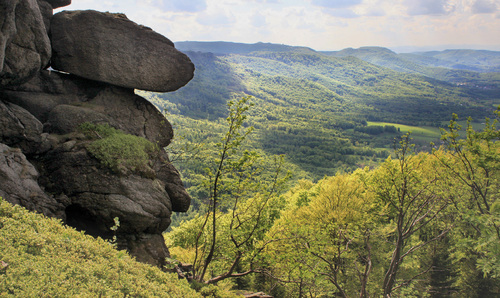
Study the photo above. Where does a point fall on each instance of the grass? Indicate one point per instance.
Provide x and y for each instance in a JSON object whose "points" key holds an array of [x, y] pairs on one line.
{"points": [[420, 133]]}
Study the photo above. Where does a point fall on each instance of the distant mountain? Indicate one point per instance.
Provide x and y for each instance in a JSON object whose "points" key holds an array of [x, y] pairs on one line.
{"points": [[476, 68], [475, 60], [222, 47], [381, 57], [315, 107], [402, 90]]}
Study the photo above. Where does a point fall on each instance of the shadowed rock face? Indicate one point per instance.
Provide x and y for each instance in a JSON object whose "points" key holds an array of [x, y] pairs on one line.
{"points": [[58, 3], [45, 164], [110, 48], [18, 183]]}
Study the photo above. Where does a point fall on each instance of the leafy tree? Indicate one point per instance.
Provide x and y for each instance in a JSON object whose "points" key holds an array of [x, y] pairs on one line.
{"points": [[226, 237], [414, 203], [336, 236], [472, 164], [325, 238]]}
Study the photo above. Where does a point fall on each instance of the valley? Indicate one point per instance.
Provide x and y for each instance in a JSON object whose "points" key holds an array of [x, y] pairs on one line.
{"points": [[315, 107]]}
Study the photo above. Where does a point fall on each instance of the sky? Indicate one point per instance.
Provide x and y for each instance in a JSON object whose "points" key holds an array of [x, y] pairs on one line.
{"points": [[324, 25]]}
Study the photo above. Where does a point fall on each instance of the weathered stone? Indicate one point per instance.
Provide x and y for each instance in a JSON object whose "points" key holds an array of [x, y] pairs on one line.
{"points": [[41, 110], [47, 11], [141, 204], [120, 107], [65, 119], [19, 128], [24, 43], [168, 174], [145, 246], [110, 48], [18, 184], [133, 114]]}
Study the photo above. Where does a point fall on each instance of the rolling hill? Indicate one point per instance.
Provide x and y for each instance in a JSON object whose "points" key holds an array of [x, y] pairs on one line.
{"points": [[313, 106]]}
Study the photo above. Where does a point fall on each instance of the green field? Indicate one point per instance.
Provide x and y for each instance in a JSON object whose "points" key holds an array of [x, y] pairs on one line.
{"points": [[423, 133]]}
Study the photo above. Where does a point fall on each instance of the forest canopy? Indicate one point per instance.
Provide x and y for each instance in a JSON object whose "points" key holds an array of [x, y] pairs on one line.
{"points": [[420, 224]]}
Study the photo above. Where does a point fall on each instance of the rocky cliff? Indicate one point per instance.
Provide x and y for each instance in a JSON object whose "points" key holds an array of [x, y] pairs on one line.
{"points": [[75, 141]]}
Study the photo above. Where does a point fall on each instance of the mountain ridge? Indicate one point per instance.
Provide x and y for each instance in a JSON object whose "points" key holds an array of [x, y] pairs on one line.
{"points": [[442, 58]]}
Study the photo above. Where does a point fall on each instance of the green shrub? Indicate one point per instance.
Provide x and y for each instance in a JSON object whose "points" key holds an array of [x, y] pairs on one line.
{"points": [[39, 257], [122, 153]]}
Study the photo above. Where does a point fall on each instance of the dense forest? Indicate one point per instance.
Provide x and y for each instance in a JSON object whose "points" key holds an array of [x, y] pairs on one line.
{"points": [[334, 175], [419, 225]]}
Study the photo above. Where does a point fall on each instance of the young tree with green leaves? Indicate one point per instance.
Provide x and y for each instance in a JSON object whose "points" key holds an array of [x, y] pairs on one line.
{"points": [[414, 202], [326, 237], [226, 240]]}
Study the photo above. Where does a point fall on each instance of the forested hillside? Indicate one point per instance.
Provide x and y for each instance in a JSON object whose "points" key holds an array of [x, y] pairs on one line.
{"points": [[325, 113]]}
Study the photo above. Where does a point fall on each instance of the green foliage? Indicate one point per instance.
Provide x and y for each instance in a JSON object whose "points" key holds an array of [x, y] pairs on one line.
{"points": [[470, 68], [96, 131], [224, 241], [46, 259], [415, 225], [320, 246], [410, 227], [474, 167], [114, 228], [122, 153]]}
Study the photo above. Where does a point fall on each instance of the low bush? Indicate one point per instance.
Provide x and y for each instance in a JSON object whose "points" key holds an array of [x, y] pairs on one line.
{"points": [[121, 152], [40, 257]]}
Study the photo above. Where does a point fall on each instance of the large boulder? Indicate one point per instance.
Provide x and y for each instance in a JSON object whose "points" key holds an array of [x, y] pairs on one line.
{"points": [[98, 194], [93, 195], [110, 48], [24, 43], [42, 117], [62, 102], [20, 128], [47, 161], [18, 184], [47, 9]]}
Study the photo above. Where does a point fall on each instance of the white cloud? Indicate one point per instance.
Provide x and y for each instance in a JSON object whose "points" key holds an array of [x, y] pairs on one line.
{"points": [[319, 24], [484, 6], [215, 19], [180, 5], [427, 7], [342, 13], [336, 3], [259, 20]]}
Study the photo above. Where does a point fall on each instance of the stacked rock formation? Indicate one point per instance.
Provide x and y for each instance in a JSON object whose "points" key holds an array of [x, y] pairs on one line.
{"points": [[60, 71]]}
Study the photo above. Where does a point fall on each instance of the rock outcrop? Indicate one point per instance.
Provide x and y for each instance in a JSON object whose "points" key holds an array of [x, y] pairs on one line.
{"points": [[24, 44], [19, 183], [46, 163], [110, 48]]}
